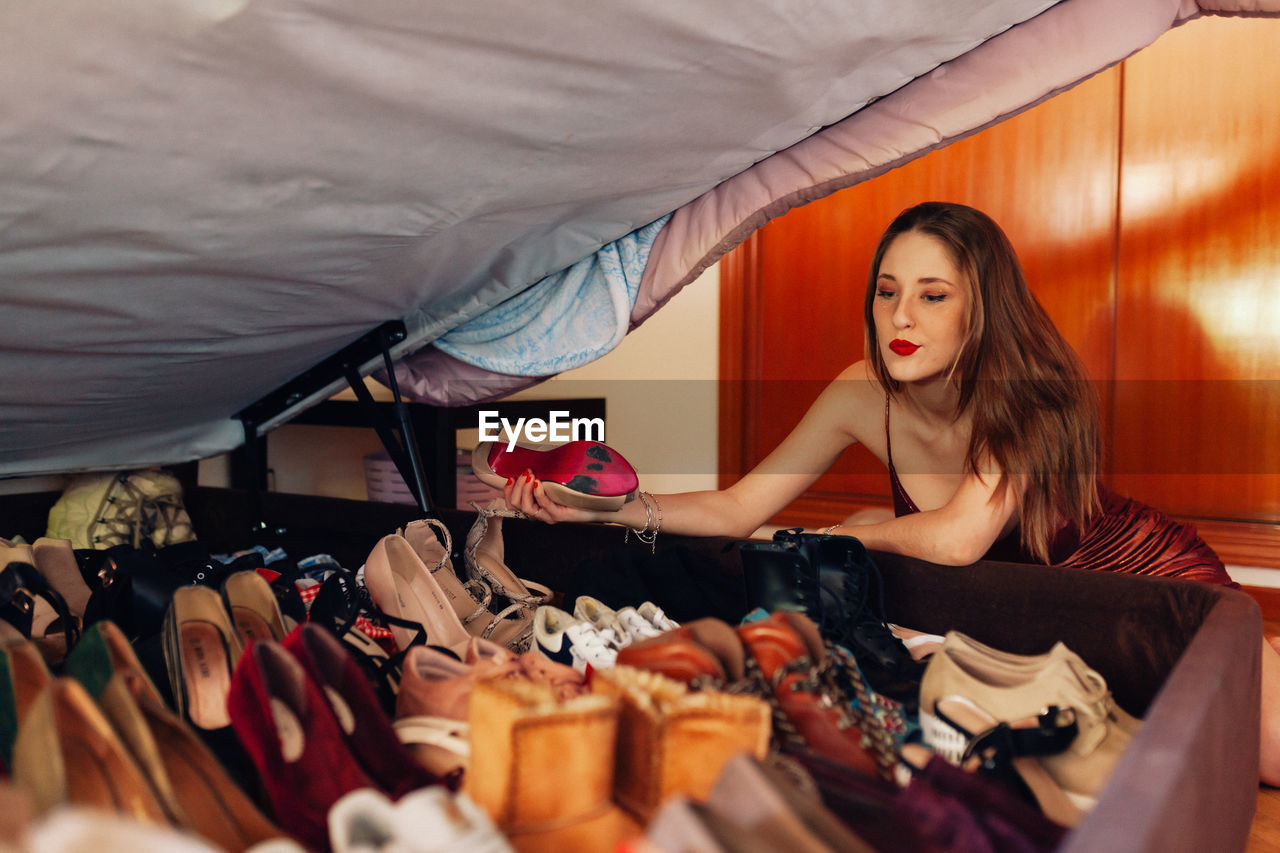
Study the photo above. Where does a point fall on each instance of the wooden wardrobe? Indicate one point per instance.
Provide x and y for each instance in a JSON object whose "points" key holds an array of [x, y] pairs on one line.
{"points": [[1145, 206]]}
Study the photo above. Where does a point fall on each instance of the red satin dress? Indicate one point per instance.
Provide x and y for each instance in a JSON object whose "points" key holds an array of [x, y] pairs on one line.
{"points": [[1124, 536]]}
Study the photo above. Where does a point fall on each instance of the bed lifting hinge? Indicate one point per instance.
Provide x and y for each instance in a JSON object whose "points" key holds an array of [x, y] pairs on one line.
{"points": [[346, 364], [404, 449]]}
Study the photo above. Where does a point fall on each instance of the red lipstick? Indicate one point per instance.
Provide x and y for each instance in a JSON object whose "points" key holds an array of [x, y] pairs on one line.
{"points": [[901, 347]]}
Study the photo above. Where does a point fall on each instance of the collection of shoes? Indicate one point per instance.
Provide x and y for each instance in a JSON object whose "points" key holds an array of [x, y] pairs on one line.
{"points": [[412, 707], [1005, 747]]}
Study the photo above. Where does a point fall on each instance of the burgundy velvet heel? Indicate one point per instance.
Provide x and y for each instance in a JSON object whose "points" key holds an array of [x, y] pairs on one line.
{"points": [[364, 726], [286, 726], [584, 474]]}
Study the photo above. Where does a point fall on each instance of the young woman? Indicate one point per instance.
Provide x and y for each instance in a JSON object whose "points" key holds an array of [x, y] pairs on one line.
{"points": [[984, 418]]}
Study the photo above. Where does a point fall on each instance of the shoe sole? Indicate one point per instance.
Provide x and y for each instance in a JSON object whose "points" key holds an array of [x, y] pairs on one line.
{"points": [[583, 474]]}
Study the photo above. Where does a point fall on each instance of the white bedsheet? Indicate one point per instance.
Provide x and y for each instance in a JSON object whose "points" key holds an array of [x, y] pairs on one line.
{"points": [[200, 200]]}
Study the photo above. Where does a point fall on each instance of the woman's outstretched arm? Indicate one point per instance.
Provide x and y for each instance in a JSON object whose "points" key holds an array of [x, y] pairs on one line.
{"points": [[983, 509], [849, 410], [837, 419]]}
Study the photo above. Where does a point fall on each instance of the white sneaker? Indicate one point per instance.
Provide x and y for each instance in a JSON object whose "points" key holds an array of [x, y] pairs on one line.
{"points": [[636, 626], [435, 820], [428, 820], [653, 614], [603, 618], [360, 822], [573, 642]]}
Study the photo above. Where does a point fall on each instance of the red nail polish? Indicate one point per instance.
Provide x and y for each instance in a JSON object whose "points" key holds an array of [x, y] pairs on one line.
{"points": [[510, 481]]}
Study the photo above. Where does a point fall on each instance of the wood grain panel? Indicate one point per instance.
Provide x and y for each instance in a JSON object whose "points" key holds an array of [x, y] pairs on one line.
{"points": [[801, 279], [1198, 358]]}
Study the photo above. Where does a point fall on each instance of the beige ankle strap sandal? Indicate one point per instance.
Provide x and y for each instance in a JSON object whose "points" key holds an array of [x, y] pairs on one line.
{"points": [[485, 559], [507, 624]]}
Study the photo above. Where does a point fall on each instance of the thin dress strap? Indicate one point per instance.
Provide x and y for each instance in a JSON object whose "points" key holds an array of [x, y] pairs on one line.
{"points": [[902, 503]]}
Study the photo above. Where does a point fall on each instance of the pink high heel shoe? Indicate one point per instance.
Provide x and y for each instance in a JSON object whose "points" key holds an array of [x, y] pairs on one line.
{"points": [[402, 586], [584, 474]]}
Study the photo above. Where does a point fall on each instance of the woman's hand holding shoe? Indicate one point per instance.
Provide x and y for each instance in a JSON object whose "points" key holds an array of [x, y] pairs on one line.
{"points": [[527, 495]]}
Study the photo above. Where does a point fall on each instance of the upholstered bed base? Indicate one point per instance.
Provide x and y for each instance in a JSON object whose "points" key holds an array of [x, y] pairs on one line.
{"points": [[1185, 656]]}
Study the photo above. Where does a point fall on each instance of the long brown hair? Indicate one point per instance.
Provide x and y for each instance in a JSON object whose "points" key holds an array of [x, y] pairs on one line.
{"points": [[1033, 409]]}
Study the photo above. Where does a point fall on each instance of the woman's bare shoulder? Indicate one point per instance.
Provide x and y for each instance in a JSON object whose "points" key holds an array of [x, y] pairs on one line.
{"points": [[858, 380], [861, 402]]}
